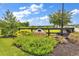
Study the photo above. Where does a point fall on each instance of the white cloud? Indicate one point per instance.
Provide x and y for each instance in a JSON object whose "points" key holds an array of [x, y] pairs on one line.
{"points": [[35, 7], [38, 21], [44, 18], [21, 14], [36, 12], [30, 19], [75, 11], [21, 8]]}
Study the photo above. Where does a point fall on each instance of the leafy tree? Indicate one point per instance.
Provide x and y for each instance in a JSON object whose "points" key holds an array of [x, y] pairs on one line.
{"points": [[24, 24], [9, 24], [57, 17]]}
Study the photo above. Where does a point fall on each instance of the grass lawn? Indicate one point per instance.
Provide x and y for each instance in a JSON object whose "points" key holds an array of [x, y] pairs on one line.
{"points": [[8, 49]]}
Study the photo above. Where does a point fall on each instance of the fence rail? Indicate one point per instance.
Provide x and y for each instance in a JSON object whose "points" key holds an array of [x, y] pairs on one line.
{"points": [[69, 30]]}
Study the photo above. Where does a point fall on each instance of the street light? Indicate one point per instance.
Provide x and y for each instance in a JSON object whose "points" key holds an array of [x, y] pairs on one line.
{"points": [[62, 18]]}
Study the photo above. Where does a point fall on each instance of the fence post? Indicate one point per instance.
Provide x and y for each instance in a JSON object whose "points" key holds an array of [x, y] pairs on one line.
{"points": [[72, 29], [48, 31], [31, 29]]}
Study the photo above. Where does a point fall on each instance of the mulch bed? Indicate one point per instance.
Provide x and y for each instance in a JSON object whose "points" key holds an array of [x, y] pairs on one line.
{"points": [[68, 49]]}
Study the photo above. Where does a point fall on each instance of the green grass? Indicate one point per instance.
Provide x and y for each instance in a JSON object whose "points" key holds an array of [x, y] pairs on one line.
{"points": [[8, 49]]}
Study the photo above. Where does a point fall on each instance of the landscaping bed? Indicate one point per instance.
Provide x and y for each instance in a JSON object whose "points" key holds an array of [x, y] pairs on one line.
{"points": [[68, 49], [40, 45], [71, 48], [36, 45]]}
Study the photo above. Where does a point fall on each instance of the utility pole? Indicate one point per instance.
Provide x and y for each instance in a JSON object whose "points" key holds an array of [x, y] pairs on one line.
{"points": [[62, 19]]}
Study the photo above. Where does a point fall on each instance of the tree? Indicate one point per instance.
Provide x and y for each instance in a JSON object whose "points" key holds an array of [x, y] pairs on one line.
{"points": [[57, 17], [9, 24], [24, 24]]}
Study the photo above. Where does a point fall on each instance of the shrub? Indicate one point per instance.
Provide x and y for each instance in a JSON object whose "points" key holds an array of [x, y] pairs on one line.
{"points": [[74, 37], [23, 32], [9, 24], [37, 45]]}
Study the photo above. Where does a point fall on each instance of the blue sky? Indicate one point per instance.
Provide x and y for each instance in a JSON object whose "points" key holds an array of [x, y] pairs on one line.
{"points": [[37, 13]]}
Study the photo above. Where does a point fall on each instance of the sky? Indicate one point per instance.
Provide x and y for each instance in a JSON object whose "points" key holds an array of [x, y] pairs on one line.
{"points": [[37, 13]]}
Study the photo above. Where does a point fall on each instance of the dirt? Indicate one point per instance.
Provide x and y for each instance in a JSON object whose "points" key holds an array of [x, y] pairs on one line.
{"points": [[68, 49]]}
